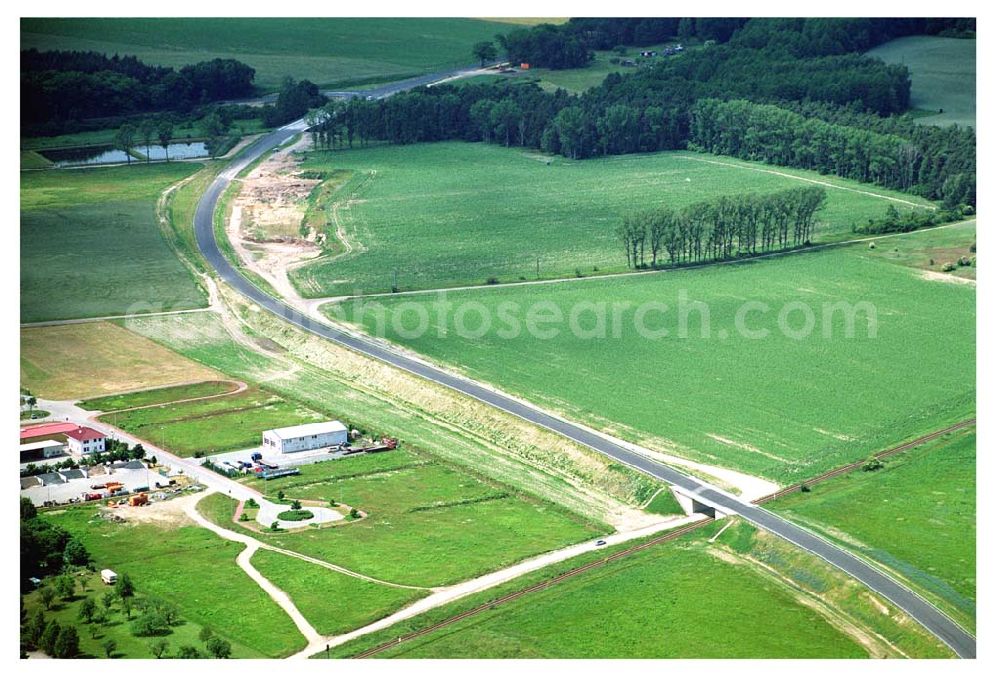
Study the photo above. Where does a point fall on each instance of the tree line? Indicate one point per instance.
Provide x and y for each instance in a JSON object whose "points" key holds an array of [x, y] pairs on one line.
{"points": [[570, 45], [69, 85], [722, 228]]}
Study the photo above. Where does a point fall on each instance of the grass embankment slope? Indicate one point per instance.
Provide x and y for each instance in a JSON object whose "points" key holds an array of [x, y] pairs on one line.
{"points": [[916, 516], [659, 603], [943, 73], [449, 214], [780, 406], [91, 245], [428, 523], [328, 51], [195, 570], [74, 361]]}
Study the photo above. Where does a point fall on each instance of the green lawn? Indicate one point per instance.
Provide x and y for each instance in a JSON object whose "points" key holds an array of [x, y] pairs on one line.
{"points": [[214, 425], [91, 245], [943, 73], [145, 398], [782, 406], [324, 50], [195, 570], [916, 516], [331, 601], [451, 525], [449, 214]]}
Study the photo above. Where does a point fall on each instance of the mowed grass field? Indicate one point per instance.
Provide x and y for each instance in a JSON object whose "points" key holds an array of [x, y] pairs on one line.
{"points": [[428, 523], [331, 601], [328, 51], [213, 425], [91, 245], [450, 214], [195, 570], [943, 73], [916, 516], [785, 405], [75, 361]]}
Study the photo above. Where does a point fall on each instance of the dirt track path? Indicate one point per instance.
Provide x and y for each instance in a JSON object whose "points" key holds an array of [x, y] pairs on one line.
{"points": [[240, 387]]}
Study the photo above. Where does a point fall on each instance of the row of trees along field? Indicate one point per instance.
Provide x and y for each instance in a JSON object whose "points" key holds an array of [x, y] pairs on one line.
{"points": [[570, 45], [721, 228]]}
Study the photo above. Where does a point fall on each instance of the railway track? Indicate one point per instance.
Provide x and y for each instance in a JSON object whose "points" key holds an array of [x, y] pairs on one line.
{"points": [[836, 472], [677, 533], [517, 594]]}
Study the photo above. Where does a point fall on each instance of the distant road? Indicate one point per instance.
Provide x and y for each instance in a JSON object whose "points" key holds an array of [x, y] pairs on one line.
{"points": [[921, 610]]}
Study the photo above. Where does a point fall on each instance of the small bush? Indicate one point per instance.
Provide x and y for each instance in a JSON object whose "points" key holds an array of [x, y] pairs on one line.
{"points": [[492, 280], [873, 464], [948, 267], [295, 515]]}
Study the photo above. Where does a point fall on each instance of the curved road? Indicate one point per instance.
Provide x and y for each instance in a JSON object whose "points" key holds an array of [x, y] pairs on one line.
{"points": [[916, 606]]}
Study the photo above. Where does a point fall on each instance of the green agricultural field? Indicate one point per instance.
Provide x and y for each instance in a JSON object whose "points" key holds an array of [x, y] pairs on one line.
{"points": [[145, 398], [450, 214], [213, 425], [195, 570], [451, 525], [916, 516], [335, 52], [943, 73], [343, 602], [91, 245], [783, 405]]}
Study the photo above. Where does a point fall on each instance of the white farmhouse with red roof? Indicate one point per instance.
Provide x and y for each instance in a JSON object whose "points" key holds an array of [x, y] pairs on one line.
{"points": [[84, 440]]}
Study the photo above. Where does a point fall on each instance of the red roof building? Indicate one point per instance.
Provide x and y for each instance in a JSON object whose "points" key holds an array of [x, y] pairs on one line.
{"points": [[84, 434], [46, 429]]}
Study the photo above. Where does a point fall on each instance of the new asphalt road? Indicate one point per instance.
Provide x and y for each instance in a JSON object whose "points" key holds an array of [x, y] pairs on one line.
{"points": [[922, 611]]}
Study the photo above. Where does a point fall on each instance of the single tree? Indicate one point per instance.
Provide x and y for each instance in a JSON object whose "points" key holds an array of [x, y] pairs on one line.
{"points": [[47, 595], [34, 629], [127, 607], [108, 600], [165, 134], [159, 648], [109, 647], [88, 609], [219, 647], [296, 505], [65, 586], [67, 643], [48, 641], [188, 651], [147, 133], [123, 587], [125, 139], [485, 51], [28, 509], [205, 634]]}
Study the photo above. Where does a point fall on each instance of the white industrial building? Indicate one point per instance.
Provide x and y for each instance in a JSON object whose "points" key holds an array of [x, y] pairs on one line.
{"points": [[42, 449], [305, 437]]}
